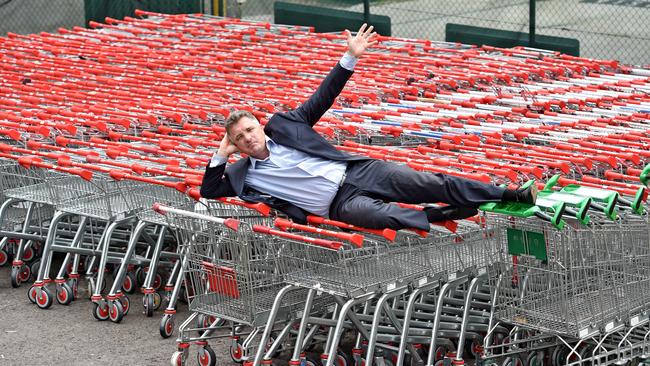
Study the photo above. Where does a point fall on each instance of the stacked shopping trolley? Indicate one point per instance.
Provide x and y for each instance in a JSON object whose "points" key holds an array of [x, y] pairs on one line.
{"points": [[105, 132]]}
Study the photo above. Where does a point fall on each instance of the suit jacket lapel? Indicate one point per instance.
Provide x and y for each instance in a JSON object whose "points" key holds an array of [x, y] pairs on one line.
{"points": [[237, 174]]}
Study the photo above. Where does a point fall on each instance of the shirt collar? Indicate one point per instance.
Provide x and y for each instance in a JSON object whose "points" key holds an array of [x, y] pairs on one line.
{"points": [[269, 143]]}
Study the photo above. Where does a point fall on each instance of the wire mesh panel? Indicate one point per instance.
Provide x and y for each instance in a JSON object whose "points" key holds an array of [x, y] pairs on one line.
{"points": [[36, 16], [380, 266], [232, 274], [40, 15], [15, 177], [141, 200], [350, 272], [577, 281], [102, 198], [604, 28]]}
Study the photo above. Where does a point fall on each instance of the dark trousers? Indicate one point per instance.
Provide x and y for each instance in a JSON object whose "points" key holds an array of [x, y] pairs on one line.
{"points": [[369, 185]]}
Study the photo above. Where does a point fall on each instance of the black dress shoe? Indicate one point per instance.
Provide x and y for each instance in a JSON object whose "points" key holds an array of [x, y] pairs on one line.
{"points": [[528, 195], [437, 214]]}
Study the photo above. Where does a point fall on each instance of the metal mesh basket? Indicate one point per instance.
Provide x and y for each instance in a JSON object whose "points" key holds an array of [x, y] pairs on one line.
{"points": [[576, 281]]}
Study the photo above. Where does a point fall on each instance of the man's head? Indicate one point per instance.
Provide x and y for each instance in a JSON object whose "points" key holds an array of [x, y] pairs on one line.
{"points": [[247, 134]]}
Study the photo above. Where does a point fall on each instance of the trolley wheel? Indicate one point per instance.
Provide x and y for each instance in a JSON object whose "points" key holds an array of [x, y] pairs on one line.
{"points": [[342, 359], [4, 257], [115, 311], [25, 273], [31, 294], [498, 340], [44, 298], [206, 356], [28, 254], [408, 360], [167, 325], [35, 266], [586, 354], [129, 283], [148, 304], [64, 294], [126, 304], [157, 281], [74, 286], [558, 357], [100, 312], [268, 344], [490, 363], [236, 351], [16, 276], [473, 348], [513, 361], [157, 300], [535, 359], [167, 297], [440, 353], [202, 322], [140, 275], [177, 359], [311, 362], [362, 362]]}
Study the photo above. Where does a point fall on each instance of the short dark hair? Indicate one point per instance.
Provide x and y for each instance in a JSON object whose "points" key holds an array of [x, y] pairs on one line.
{"points": [[235, 116]]}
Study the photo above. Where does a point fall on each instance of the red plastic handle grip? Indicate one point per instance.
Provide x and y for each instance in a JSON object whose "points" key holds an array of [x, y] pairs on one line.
{"points": [[194, 193], [261, 208], [355, 239], [388, 234], [319, 242]]}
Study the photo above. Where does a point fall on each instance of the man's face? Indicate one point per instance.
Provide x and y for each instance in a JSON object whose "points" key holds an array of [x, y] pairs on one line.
{"points": [[248, 135]]}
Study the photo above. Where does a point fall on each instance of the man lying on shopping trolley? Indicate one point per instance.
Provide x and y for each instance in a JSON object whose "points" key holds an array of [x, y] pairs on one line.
{"points": [[293, 169]]}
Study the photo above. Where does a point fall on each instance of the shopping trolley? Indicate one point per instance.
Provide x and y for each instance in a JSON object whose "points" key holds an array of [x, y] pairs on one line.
{"points": [[571, 292], [231, 273]]}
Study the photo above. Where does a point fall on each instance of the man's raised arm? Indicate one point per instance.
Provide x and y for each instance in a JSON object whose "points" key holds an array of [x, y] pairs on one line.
{"points": [[215, 184], [314, 108]]}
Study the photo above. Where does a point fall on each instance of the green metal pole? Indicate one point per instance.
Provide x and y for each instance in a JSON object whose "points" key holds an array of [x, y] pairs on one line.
{"points": [[366, 11], [531, 24]]}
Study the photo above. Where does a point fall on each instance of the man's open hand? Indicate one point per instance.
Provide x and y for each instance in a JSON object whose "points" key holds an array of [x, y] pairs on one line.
{"points": [[226, 147], [364, 39]]}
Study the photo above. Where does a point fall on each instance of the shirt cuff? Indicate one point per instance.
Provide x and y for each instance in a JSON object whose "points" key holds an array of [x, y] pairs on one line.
{"points": [[217, 160], [348, 61]]}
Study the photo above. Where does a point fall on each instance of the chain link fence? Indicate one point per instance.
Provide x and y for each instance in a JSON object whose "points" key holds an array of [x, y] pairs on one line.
{"points": [[34, 16], [608, 29]]}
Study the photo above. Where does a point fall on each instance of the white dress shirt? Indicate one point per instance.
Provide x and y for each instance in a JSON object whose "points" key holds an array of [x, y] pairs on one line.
{"points": [[306, 181]]}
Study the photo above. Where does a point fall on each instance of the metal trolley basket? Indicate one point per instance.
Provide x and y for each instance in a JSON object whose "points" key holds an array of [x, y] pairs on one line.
{"points": [[231, 270], [585, 285]]}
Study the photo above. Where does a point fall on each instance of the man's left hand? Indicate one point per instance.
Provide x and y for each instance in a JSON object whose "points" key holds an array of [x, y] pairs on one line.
{"points": [[364, 39]]}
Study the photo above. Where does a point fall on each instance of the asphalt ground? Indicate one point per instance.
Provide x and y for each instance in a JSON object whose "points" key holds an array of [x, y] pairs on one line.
{"points": [[70, 335]]}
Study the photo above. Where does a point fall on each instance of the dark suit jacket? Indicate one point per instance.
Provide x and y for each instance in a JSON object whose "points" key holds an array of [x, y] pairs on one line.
{"points": [[293, 129]]}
